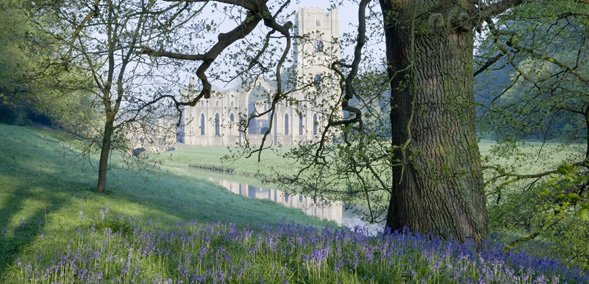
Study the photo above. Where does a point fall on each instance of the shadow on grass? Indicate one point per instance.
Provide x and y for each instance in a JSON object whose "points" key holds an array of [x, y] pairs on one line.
{"points": [[39, 184], [17, 239]]}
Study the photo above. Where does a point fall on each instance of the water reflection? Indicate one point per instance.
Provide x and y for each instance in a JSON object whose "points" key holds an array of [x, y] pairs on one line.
{"points": [[331, 212], [334, 211]]}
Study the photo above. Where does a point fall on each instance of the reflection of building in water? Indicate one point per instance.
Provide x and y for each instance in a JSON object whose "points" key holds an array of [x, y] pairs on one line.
{"points": [[333, 212]]}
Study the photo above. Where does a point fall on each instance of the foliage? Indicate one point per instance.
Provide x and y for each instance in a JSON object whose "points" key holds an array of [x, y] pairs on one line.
{"points": [[554, 211], [13, 59], [536, 77], [105, 249], [532, 85], [17, 104]]}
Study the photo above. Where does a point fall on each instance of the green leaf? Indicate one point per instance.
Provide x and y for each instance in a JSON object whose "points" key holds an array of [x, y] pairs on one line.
{"points": [[574, 196], [563, 169], [545, 191], [584, 214]]}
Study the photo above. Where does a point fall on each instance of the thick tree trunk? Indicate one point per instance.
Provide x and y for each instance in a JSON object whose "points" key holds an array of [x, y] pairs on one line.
{"points": [[439, 188], [104, 154]]}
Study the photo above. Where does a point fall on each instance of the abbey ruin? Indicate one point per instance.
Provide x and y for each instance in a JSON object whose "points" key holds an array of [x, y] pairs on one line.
{"points": [[217, 121]]}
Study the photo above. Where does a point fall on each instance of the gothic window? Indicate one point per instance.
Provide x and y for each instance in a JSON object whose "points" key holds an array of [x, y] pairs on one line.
{"points": [[300, 125], [317, 22], [286, 124], [217, 126], [318, 83], [318, 45], [232, 119], [231, 103], [315, 124], [202, 124], [217, 103]]}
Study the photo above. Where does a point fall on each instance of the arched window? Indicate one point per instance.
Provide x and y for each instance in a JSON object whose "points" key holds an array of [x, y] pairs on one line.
{"points": [[318, 45], [315, 124], [202, 124], [301, 124], [232, 119], [317, 84], [217, 126], [286, 124], [217, 103], [231, 103]]}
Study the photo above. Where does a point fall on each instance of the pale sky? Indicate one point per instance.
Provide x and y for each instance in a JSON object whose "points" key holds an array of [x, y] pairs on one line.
{"points": [[347, 15]]}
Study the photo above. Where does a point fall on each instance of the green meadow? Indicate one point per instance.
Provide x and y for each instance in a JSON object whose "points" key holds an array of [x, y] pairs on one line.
{"points": [[45, 187], [527, 158], [163, 221]]}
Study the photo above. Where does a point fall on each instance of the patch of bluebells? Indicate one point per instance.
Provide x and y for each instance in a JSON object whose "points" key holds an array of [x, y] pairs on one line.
{"points": [[283, 253]]}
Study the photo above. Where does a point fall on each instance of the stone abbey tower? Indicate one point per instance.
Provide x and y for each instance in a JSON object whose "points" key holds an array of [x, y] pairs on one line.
{"points": [[216, 121]]}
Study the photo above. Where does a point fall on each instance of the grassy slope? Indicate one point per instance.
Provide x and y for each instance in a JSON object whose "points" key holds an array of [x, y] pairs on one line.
{"points": [[45, 182]]}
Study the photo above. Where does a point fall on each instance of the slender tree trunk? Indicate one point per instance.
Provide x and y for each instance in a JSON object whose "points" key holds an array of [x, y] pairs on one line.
{"points": [[104, 154], [587, 134], [439, 187]]}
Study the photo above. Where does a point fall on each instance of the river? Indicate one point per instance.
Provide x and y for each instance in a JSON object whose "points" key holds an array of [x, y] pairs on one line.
{"points": [[333, 211]]}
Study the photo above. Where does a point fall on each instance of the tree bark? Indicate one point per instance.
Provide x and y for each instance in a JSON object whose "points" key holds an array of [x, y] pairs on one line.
{"points": [[104, 154], [587, 134], [438, 188]]}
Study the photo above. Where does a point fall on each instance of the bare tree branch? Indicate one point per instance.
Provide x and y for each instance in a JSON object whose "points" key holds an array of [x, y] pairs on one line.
{"points": [[549, 59], [488, 64], [497, 7], [224, 40], [247, 4]]}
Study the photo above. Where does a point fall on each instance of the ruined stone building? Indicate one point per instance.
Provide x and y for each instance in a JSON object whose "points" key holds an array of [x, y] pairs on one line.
{"points": [[216, 121]]}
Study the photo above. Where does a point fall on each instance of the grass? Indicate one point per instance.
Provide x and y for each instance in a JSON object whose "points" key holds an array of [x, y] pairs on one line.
{"points": [[44, 185], [209, 158], [529, 157], [106, 249], [178, 228], [526, 158]]}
